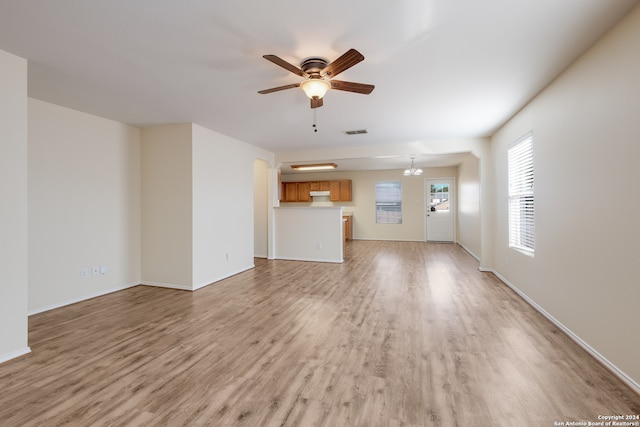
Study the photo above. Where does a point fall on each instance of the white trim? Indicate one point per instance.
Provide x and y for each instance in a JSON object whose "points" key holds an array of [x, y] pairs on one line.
{"points": [[211, 282], [82, 298], [521, 187], [167, 285], [390, 240], [341, 260], [375, 202], [453, 206], [199, 286], [8, 356], [600, 358], [477, 258]]}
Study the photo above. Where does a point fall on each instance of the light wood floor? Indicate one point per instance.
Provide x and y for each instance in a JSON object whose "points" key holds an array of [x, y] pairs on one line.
{"points": [[401, 334]]}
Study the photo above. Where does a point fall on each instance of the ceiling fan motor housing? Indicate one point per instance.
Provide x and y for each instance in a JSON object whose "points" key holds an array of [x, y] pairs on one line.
{"points": [[313, 65]]}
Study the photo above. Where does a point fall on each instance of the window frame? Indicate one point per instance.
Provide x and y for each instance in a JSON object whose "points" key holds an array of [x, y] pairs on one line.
{"points": [[521, 194], [395, 204]]}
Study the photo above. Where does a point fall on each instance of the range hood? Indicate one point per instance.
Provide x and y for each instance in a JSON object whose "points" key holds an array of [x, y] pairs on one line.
{"points": [[326, 193]]}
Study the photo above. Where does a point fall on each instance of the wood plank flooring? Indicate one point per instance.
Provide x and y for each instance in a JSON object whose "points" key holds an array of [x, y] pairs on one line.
{"points": [[401, 334]]}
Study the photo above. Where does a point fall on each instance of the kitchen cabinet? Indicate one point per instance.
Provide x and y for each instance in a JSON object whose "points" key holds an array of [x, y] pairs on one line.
{"points": [[319, 185], [290, 192], [345, 190], [334, 188], [340, 190], [303, 192], [348, 227], [296, 192]]}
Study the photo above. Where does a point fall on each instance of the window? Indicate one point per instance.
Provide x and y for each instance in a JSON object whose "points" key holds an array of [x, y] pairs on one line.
{"points": [[439, 197], [388, 202], [521, 199]]}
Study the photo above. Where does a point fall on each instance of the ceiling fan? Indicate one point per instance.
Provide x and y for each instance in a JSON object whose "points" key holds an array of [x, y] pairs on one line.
{"points": [[318, 74]]}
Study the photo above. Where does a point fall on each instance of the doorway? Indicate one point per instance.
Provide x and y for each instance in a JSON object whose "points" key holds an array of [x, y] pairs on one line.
{"points": [[440, 209]]}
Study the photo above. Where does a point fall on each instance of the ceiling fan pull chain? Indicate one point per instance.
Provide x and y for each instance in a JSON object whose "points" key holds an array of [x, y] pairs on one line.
{"points": [[315, 128]]}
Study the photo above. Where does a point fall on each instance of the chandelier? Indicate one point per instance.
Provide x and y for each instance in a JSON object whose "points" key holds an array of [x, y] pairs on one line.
{"points": [[412, 170]]}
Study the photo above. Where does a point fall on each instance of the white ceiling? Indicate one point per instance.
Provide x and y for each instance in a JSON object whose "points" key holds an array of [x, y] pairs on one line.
{"points": [[443, 69], [374, 162]]}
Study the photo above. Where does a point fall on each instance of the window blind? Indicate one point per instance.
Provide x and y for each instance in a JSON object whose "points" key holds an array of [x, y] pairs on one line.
{"points": [[521, 194], [388, 202]]}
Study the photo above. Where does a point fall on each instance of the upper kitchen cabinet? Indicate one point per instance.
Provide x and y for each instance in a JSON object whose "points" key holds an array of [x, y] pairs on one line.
{"points": [[340, 190], [345, 190], [304, 189], [290, 192], [319, 185]]}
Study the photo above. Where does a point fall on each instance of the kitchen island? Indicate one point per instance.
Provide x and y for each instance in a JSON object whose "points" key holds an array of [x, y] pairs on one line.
{"points": [[309, 234]]}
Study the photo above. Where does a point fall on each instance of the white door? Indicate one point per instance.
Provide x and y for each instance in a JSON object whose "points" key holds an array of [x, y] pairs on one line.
{"points": [[440, 210]]}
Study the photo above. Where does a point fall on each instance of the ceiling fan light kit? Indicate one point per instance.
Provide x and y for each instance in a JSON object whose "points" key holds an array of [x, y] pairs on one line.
{"points": [[315, 88], [318, 74]]}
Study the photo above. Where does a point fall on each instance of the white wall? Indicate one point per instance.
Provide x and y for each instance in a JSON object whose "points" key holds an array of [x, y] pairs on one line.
{"points": [[13, 207], [469, 205], [363, 205], [84, 205], [197, 205], [586, 150], [223, 214], [167, 206], [261, 184]]}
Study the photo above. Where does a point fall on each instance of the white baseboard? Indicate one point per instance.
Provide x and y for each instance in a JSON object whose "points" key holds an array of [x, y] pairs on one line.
{"points": [[389, 240], [630, 382], [226, 276], [310, 259], [469, 252], [201, 285], [12, 355], [82, 298], [129, 285], [166, 285]]}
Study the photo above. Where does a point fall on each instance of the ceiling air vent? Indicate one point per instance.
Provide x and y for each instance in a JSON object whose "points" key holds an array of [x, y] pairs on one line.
{"points": [[356, 132]]}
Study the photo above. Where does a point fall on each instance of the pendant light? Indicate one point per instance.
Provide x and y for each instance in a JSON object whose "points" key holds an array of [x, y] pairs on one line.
{"points": [[412, 170]]}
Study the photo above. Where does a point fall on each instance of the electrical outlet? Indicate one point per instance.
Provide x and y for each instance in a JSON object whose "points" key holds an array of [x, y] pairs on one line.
{"points": [[103, 269], [319, 245], [95, 270], [84, 273]]}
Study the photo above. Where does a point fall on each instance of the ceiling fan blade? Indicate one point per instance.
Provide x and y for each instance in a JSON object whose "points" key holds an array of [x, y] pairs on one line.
{"points": [[316, 102], [352, 87], [347, 60], [284, 64], [276, 89]]}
